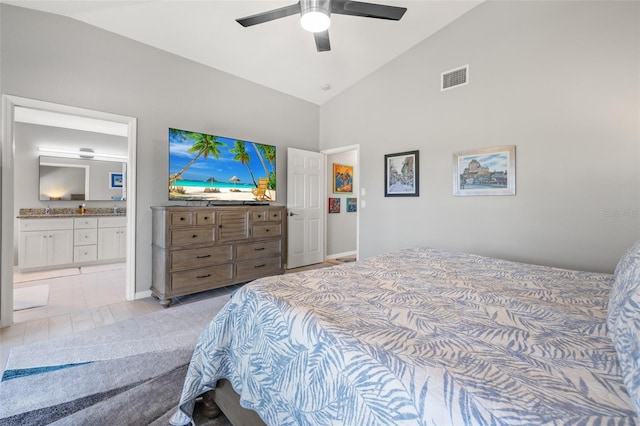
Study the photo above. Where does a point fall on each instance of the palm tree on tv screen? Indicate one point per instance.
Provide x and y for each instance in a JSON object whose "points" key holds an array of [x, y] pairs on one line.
{"points": [[269, 154], [203, 145], [241, 155]]}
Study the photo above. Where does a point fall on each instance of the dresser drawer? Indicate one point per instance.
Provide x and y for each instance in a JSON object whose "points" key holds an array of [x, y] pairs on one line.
{"points": [[181, 237], [266, 215], [274, 215], [83, 237], [205, 278], [85, 253], [257, 250], [205, 218], [266, 230], [198, 258], [253, 269], [180, 218]]}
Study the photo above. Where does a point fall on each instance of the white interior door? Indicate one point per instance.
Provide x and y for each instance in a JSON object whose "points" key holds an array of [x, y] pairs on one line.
{"points": [[305, 219]]}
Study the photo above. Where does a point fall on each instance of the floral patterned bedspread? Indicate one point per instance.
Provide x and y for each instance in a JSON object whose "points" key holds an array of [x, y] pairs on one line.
{"points": [[417, 337]]}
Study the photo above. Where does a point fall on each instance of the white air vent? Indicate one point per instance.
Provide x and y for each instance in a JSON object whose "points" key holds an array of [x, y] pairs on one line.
{"points": [[455, 78]]}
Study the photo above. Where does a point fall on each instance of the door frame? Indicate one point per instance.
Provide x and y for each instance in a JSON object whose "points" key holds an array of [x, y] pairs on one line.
{"points": [[9, 103], [356, 192]]}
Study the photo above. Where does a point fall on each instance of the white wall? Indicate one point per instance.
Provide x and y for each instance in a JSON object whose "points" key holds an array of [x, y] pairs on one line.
{"points": [[560, 80], [341, 227], [56, 59]]}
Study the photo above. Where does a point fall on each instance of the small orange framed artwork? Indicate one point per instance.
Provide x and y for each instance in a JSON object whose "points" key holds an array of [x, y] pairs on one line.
{"points": [[342, 179]]}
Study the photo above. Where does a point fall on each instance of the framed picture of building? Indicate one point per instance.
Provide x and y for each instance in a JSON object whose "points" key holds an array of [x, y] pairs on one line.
{"points": [[487, 171], [401, 174]]}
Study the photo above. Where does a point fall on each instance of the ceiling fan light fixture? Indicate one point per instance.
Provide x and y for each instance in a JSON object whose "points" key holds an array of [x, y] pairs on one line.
{"points": [[314, 15], [315, 21]]}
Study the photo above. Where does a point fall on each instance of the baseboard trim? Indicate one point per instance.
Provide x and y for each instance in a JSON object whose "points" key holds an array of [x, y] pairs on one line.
{"points": [[344, 254]]}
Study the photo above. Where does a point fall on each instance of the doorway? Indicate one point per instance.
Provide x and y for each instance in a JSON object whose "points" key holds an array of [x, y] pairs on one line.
{"points": [[9, 105], [309, 185], [342, 222]]}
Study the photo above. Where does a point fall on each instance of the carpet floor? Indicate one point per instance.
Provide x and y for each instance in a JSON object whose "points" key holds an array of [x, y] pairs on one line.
{"points": [[128, 373]]}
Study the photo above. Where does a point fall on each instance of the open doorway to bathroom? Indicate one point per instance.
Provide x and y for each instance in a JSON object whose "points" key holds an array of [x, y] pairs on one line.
{"points": [[76, 286]]}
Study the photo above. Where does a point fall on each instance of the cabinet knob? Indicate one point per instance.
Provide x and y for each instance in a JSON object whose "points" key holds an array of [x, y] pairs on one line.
{"points": [[194, 236]]}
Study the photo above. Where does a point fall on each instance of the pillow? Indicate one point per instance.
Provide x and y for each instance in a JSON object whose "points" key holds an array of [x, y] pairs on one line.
{"points": [[626, 282], [623, 320]]}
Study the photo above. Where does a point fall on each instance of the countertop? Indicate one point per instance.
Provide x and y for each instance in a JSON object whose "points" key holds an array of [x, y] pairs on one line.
{"points": [[57, 213]]}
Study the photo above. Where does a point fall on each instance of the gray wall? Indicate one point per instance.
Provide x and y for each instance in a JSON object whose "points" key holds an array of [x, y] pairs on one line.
{"points": [[341, 227], [560, 80], [56, 59]]}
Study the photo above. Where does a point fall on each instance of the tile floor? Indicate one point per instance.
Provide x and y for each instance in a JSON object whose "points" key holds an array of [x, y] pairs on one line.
{"points": [[82, 299]]}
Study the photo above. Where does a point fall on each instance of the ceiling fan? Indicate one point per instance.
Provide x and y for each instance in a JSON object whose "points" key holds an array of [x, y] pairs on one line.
{"points": [[315, 16]]}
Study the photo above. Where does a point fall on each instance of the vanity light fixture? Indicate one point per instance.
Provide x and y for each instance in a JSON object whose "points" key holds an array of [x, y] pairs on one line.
{"points": [[81, 153]]}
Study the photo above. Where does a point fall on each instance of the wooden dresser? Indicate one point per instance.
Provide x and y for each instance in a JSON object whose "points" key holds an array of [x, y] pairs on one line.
{"points": [[201, 248]]}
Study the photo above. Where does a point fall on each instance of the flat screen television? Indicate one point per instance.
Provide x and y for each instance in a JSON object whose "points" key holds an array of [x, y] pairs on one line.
{"points": [[221, 170]]}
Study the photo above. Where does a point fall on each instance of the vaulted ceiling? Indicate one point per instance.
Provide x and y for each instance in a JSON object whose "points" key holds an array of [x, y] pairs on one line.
{"points": [[277, 54]]}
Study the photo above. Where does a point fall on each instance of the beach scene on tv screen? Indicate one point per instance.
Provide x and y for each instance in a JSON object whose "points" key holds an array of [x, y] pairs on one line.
{"points": [[216, 168]]}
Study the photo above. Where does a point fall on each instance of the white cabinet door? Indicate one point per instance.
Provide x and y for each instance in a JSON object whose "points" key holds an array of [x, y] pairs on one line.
{"points": [[60, 246], [111, 243], [45, 248], [33, 251]]}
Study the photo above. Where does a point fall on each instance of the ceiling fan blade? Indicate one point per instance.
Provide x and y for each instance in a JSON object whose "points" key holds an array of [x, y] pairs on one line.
{"points": [[322, 41], [271, 15], [368, 10]]}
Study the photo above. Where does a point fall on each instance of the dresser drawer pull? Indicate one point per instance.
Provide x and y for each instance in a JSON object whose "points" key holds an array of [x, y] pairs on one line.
{"points": [[260, 266], [258, 249], [194, 236], [203, 257], [181, 218], [203, 276]]}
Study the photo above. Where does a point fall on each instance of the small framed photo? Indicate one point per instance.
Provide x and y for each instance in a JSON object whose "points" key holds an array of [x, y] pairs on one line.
{"points": [[352, 205], [342, 179], [487, 171], [334, 205], [401, 174], [115, 180]]}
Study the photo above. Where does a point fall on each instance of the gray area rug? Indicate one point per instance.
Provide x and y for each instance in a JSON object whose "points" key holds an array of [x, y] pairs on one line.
{"points": [[128, 373]]}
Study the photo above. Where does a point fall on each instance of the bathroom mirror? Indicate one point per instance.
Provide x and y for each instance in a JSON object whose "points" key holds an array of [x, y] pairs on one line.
{"points": [[66, 179]]}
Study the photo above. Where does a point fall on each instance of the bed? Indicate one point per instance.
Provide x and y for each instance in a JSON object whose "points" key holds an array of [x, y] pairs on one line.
{"points": [[428, 337]]}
